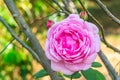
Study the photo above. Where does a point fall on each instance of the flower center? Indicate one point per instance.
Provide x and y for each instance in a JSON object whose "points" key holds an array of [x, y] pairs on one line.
{"points": [[69, 40]]}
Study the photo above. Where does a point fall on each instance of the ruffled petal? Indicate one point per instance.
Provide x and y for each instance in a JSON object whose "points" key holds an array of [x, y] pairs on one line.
{"points": [[60, 67], [91, 27], [47, 52], [77, 67], [90, 58]]}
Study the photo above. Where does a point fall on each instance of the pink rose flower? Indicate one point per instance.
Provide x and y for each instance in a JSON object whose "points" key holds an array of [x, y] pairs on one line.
{"points": [[72, 44], [49, 23]]}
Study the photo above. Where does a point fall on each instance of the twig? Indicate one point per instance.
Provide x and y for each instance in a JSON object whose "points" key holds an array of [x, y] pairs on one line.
{"points": [[17, 38], [109, 67], [49, 3], [57, 10], [10, 42], [118, 64], [69, 6], [1, 52], [104, 8], [66, 5], [101, 29], [57, 3], [32, 39], [41, 19]]}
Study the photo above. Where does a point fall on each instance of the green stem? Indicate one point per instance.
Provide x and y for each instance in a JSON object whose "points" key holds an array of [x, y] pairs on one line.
{"points": [[71, 77]]}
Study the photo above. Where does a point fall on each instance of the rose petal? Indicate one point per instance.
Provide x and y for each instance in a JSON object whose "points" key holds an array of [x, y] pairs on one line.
{"points": [[47, 52], [73, 16], [97, 41], [59, 66], [91, 27], [77, 67], [90, 58]]}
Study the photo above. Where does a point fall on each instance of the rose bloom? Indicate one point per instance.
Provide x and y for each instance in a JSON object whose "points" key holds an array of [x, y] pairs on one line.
{"points": [[72, 44]]}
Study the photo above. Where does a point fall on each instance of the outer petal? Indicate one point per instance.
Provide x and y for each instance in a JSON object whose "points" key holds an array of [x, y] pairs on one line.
{"points": [[73, 16], [77, 67], [47, 52], [90, 58], [52, 29], [94, 30], [91, 27], [97, 42], [59, 66]]}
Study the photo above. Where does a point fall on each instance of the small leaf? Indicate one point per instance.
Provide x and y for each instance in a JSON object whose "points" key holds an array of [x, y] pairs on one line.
{"points": [[96, 64], [74, 75], [40, 74], [92, 74]]}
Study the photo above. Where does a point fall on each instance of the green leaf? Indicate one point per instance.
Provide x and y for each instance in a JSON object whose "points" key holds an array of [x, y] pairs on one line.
{"points": [[40, 74], [12, 57], [74, 75], [96, 64], [92, 74]]}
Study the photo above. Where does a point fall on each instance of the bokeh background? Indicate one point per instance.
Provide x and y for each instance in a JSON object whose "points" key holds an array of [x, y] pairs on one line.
{"points": [[16, 63]]}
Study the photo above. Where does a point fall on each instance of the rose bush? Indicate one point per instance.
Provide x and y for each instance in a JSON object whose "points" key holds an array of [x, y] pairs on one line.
{"points": [[72, 44]]}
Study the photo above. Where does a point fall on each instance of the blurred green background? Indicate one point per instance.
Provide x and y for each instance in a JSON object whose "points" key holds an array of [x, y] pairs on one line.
{"points": [[15, 62]]}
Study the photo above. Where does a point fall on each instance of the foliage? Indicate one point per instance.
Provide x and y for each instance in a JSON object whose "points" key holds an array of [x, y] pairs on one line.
{"points": [[74, 75], [96, 64], [92, 74], [40, 74]]}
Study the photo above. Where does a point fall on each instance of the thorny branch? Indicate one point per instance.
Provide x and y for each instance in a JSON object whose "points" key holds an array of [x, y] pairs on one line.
{"points": [[32, 39], [104, 8]]}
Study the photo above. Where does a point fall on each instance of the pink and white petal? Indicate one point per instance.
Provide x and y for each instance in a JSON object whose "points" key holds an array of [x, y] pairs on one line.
{"points": [[90, 58], [47, 52], [97, 43], [60, 67], [73, 16], [51, 30], [55, 55], [50, 57], [91, 27], [78, 67], [87, 66]]}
